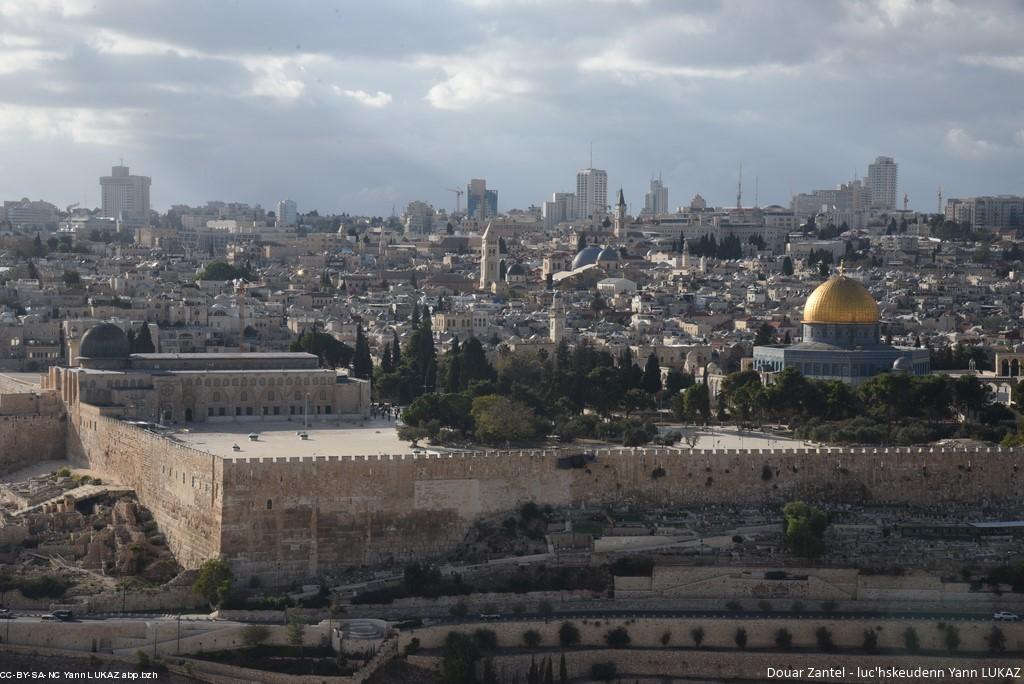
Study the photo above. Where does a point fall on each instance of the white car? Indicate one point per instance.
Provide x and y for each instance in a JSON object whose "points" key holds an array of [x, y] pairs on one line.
{"points": [[1005, 616]]}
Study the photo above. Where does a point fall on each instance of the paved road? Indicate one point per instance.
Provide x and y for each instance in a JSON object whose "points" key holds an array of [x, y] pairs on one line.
{"points": [[724, 615]]}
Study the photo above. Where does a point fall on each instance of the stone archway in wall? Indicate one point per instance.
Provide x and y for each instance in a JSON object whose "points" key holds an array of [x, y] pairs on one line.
{"points": [[189, 414]]}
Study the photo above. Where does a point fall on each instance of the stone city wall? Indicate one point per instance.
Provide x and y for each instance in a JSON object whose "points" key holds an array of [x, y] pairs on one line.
{"points": [[292, 517], [32, 429], [181, 486]]}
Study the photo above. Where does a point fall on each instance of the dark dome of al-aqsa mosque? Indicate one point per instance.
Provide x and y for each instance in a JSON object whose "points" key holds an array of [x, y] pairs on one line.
{"points": [[104, 342]]}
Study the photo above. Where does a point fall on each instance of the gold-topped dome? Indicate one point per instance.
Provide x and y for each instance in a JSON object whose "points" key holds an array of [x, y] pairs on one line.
{"points": [[841, 300]]}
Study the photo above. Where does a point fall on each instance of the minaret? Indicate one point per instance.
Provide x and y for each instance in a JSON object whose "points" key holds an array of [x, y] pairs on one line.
{"points": [[490, 260], [556, 319], [619, 225]]}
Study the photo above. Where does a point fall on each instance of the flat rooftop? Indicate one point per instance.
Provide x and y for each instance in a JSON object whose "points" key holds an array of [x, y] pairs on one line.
{"points": [[280, 439]]}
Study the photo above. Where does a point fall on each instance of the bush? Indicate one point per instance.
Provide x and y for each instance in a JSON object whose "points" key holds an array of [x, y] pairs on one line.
{"points": [[764, 606], [911, 641], [783, 639], [458, 610], [254, 635], [697, 634], [829, 606], [734, 605], [568, 635], [142, 658], [413, 646], [657, 473], [824, 638], [213, 582], [603, 672], [617, 638], [797, 606], [666, 637], [870, 640], [740, 637], [952, 638], [46, 586], [996, 641], [532, 638], [486, 640]]}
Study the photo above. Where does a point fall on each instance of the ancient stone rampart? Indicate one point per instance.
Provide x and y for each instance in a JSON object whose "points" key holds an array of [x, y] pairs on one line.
{"points": [[291, 518], [180, 485], [288, 517], [32, 429]]}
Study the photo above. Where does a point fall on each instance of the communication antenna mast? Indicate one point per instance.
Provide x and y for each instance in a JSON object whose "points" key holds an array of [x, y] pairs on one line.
{"points": [[905, 200], [757, 180], [739, 189], [940, 200]]}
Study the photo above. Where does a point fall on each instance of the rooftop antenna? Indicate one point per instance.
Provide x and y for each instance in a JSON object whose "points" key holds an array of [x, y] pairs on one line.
{"points": [[756, 182], [905, 200], [940, 199], [591, 155], [739, 189]]}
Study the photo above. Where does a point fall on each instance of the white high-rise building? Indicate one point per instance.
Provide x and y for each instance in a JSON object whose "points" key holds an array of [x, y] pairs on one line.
{"points": [[562, 207], [656, 200], [419, 217], [124, 196], [287, 213], [882, 183], [591, 193]]}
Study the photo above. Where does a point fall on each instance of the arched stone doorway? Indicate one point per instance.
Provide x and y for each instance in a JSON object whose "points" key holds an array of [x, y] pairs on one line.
{"points": [[188, 415]]}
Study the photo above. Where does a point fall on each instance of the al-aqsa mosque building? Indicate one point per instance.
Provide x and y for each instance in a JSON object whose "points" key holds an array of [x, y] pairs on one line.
{"points": [[841, 339]]}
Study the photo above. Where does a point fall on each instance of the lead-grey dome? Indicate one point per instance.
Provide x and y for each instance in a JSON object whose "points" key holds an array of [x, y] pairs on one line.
{"points": [[104, 341], [902, 365], [586, 256], [516, 270], [608, 254]]}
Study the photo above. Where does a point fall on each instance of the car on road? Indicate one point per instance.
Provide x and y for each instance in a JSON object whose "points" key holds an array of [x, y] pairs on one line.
{"points": [[6, 614], [62, 615], [1005, 616]]}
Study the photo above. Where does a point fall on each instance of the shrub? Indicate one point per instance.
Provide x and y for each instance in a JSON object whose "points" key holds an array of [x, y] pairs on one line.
{"points": [[254, 635], [568, 635], [952, 638], [46, 586], [697, 634], [783, 639], [910, 640], [797, 606], [617, 638], [740, 637], [413, 646], [666, 637], [603, 672], [658, 472], [764, 606], [458, 610], [532, 638], [829, 606], [824, 638], [996, 641], [142, 658], [870, 640], [766, 472], [734, 605], [486, 640]]}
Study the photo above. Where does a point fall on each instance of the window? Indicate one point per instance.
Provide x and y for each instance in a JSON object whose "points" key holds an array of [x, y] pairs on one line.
{"points": [[238, 410], [222, 411], [248, 410], [270, 504], [209, 411], [266, 410], [277, 410], [327, 409]]}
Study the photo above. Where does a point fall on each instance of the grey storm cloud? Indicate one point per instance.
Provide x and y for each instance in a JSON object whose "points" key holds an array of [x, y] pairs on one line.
{"points": [[363, 107]]}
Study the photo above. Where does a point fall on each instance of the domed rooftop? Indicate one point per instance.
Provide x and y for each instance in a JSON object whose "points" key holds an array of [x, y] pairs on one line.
{"points": [[841, 300], [608, 254], [586, 256], [516, 270], [902, 365], [104, 341]]}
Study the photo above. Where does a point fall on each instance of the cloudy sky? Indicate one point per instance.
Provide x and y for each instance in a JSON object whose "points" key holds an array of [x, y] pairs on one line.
{"points": [[361, 106]]}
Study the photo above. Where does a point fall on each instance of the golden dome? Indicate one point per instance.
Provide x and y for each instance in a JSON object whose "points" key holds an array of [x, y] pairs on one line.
{"points": [[841, 300]]}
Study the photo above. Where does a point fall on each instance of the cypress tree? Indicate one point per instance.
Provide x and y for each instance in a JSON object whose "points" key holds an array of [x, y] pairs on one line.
{"points": [[651, 382], [396, 350], [144, 341], [362, 365]]}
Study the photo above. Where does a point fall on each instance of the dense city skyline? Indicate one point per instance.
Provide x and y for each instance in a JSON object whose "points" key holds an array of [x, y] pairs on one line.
{"points": [[361, 110]]}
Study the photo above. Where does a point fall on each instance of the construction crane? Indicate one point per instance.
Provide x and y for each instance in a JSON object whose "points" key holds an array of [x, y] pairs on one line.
{"points": [[458, 198], [71, 207]]}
